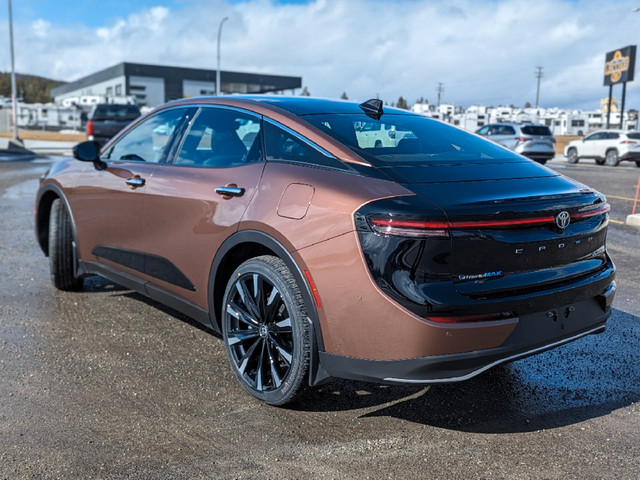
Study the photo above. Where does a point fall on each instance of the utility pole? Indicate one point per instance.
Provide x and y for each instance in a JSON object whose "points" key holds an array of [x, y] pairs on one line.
{"points": [[539, 75], [440, 91]]}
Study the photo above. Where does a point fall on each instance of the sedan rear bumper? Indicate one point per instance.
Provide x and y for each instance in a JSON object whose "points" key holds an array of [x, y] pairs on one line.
{"points": [[534, 333]]}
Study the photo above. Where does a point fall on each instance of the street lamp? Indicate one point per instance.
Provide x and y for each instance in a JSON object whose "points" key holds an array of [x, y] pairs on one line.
{"points": [[218, 70], [14, 98]]}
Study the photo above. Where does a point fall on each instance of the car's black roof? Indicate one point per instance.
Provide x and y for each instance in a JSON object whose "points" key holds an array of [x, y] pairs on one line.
{"points": [[311, 105]]}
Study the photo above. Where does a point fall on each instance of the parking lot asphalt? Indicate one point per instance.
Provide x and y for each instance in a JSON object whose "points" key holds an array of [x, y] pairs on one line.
{"points": [[107, 384]]}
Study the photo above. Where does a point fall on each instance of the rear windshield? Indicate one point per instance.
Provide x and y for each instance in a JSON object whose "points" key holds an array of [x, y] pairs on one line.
{"points": [[536, 130], [116, 112], [406, 139]]}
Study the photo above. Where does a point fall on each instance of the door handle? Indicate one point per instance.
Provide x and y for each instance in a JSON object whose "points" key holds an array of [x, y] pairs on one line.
{"points": [[229, 191], [135, 182]]}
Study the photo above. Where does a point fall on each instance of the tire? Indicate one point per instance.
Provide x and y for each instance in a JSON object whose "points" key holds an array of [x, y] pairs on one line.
{"points": [[572, 155], [265, 330], [600, 161], [61, 258], [378, 144], [611, 158], [542, 162]]}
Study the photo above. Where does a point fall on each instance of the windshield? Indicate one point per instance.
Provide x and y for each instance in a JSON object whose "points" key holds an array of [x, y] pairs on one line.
{"points": [[407, 139]]}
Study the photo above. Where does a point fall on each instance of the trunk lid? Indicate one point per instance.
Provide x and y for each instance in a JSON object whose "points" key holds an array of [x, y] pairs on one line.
{"points": [[506, 235]]}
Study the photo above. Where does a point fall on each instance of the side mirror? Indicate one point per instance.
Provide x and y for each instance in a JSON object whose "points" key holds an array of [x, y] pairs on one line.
{"points": [[89, 151]]}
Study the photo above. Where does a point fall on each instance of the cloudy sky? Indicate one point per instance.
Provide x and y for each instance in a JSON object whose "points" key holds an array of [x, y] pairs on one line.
{"points": [[482, 51]]}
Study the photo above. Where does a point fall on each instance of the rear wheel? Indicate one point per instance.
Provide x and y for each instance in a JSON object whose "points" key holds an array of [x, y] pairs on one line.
{"points": [[611, 158], [61, 260], [265, 330], [572, 155]]}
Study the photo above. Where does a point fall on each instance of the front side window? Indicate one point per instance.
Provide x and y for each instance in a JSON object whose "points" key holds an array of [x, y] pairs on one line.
{"points": [[220, 138], [147, 141]]}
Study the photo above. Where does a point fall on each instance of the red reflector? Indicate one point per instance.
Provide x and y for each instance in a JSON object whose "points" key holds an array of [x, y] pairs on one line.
{"points": [[472, 318], [313, 288], [89, 127]]}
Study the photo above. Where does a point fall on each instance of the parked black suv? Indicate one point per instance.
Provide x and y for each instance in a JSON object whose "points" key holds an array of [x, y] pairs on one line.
{"points": [[107, 119]]}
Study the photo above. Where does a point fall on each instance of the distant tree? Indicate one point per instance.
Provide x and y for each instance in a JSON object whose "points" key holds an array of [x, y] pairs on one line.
{"points": [[402, 103], [31, 88], [344, 96], [422, 100], [305, 92], [527, 105]]}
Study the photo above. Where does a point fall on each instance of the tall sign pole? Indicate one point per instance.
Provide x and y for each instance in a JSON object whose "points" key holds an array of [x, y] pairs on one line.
{"points": [[14, 98], [619, 67]]}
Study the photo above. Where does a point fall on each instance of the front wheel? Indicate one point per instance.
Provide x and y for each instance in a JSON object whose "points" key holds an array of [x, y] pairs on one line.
{"points": [[61, 258], [572, 155], [265, 330], [611, 158]]}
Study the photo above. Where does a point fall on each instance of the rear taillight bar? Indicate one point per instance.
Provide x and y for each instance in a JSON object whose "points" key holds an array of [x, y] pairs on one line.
{"points": [[439, 228]]}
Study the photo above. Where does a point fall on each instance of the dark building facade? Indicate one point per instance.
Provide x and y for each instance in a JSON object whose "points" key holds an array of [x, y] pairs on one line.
{"points": [[151, 85]]}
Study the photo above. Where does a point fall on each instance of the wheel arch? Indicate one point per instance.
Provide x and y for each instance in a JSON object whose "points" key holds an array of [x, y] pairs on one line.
{"points": [[45, 200], [252, 243]]}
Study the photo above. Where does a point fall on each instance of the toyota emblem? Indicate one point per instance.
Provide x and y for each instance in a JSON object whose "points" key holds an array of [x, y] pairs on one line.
{"points": [[563, 219]]}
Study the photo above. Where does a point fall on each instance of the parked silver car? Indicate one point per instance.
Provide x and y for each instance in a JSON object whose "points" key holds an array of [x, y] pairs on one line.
{"points": [[605, 146], [533, 141]]}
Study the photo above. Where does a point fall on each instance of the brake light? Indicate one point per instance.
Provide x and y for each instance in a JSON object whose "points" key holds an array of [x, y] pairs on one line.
{"points": [[524, 139], [90, 127], [410, 228], [628, 141], [591, 213]]}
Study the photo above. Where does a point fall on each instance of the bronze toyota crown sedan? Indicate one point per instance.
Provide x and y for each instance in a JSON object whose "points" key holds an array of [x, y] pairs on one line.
{"points": [[330, 239]]}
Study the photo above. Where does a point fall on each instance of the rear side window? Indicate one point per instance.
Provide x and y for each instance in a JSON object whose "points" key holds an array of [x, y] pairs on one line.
{"points": [[634, 136], [536, 130], [284, 146], [613, 135]]}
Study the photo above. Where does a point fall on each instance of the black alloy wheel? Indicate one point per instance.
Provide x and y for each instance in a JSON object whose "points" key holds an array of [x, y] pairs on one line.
{"points": [[61, 242], [572, 155], [266, 330]]}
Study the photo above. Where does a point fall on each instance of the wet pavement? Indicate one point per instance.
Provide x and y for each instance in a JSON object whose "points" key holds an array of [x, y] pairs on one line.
{"points": [[107, 384]]}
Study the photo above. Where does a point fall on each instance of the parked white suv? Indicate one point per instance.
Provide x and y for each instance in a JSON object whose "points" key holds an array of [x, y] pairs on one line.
{"points": [[605, 146], [528, 139]]}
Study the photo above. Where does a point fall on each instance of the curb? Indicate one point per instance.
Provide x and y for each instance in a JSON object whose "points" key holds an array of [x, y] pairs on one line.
{"points": [[633, 220]]}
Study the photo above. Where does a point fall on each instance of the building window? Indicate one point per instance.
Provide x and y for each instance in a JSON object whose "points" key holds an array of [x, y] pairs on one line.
{"points": [[109, 91], [118, 90], [577, 123]]}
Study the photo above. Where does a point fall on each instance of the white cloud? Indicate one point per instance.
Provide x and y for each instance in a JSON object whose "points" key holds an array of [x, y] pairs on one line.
{"points": [[483, 51]]}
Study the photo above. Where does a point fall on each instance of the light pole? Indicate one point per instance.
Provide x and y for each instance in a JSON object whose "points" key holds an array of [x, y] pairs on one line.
{"points": [[14, 99], [218, 70]]}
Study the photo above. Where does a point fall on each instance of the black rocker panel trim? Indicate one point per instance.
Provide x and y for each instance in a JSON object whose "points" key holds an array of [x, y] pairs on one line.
{"points": [[152, 265]]}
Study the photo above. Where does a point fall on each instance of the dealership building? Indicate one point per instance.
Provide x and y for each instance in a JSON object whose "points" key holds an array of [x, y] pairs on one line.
{"points": [[151, 85]]}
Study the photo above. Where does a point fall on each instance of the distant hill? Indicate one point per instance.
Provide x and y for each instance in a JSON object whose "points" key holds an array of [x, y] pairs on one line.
{"points": [[31, 88]]}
